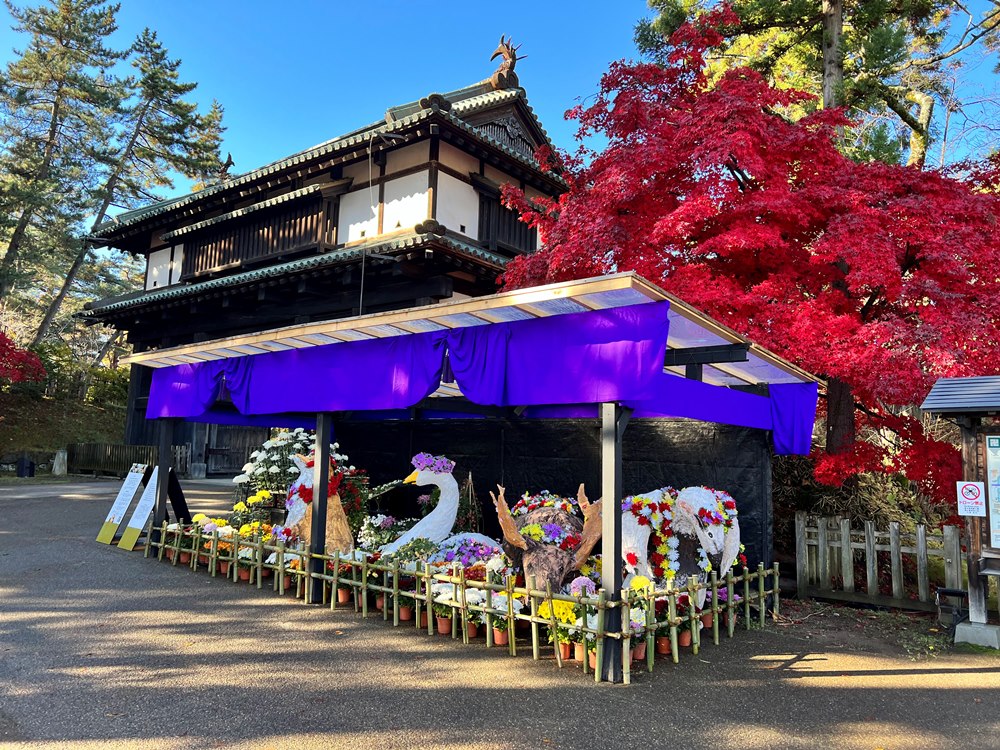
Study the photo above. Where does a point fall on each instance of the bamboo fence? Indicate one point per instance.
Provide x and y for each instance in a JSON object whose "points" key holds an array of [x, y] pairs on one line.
{"points": [[751, 595]]}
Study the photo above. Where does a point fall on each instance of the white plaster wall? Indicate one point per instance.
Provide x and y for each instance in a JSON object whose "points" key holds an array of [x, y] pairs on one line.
{"points": [[358, 221], [177, 264], [158, 269], [359, 171], [405, 202], [457, 159], [500, 178], [458, 206], [408, 156]]}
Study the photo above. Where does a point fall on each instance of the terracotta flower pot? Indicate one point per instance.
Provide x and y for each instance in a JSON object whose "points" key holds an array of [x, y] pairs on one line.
{"points": [[405, 613], [343, 596], [203, 559], [288, 582], [663, 645], [501, 637], [725, 619], [639, 651], [443, 625], [380, 602], [224, 567], [244, 574], [184, 558], [265, 572], [579, 652], [706, 619], [170, 553], [592, 658], [565, 649], [473, 629], [423, 620], [684, 637]]}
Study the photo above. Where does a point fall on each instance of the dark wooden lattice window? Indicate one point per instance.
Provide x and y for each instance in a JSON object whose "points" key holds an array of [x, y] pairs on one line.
{"points": [[500, 228]]}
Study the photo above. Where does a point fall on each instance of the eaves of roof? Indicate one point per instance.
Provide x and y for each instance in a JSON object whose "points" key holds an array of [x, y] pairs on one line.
{"points": [[99, 309], [353, 140]]}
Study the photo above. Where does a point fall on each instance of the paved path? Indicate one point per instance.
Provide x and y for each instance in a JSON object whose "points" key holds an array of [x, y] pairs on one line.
{"points": [[102, 648]]}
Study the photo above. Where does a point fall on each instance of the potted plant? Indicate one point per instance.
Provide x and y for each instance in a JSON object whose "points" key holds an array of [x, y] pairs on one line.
{"points": [[501, 625], [405, 607], [443, 614]]}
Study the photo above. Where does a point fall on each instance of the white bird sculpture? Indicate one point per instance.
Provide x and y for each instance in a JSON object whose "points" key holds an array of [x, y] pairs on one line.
{"points": [[436, 525]]}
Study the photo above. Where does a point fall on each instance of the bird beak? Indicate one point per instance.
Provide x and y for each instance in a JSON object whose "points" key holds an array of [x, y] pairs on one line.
{"points": [[497, 54], [412, 479]]}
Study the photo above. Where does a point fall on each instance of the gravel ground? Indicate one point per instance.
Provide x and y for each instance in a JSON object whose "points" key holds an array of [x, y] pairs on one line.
{"points": [[103, 648]]}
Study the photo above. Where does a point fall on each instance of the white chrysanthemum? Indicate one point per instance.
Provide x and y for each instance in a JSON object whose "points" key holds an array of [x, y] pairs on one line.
{"points": [[247, 467], [255, 454], [293, 469], [241, 479], [274, 470], [259, 470], [269, 444]]}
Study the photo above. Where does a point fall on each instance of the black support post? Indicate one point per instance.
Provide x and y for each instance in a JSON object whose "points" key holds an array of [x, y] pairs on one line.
{"points": [[614, 418], [163, 456], [321, 480]]}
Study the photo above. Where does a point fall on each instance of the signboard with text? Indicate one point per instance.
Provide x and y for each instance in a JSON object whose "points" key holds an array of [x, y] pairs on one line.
{"points": [[971, 499], [121, 504]]}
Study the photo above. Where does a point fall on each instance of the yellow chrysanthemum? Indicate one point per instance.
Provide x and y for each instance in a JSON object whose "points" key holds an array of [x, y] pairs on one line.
{"points": [[264, 494], [640, 584], [240, 507], [253, 500], [246, 529], [564, 612], [199, 517]]}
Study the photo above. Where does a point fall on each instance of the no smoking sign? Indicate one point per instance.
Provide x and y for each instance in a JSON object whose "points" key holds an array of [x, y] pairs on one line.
{"points": [[971, 498]]}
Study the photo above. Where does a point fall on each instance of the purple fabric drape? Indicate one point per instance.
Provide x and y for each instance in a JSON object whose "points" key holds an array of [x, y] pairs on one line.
{"points": [[793, 413], [189, 390], [586, 357], [389, 373], [681, 397]]}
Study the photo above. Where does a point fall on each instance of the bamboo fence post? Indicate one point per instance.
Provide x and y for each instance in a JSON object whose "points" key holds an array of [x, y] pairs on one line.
{"points": [[650, 628], [730, 603], [823, 553], [871, 560], [846, 555], [395, 591], [896, 560], [454, 601], [196, 550], [673, 621], [599, 652], [511, 639], [335, 584], [489, 609], [430, 598], [535, 649], [149, 538], [761, 595], [364, 587], [279, 573], [583, 634], [775, 608], [801, 555], [552, 623], [715, 608], [463, 602], [923, 584], [746, 597], [626, 638], [259, 554], [163, 541], [213, 554], [694, 621]]}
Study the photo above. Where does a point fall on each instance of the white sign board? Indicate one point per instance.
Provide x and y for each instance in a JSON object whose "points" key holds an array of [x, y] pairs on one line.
{"points": [[121, 504], [993, 485], [140, 515], [971, 498]]}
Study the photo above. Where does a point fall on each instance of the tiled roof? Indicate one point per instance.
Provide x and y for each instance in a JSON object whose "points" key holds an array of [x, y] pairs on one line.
{"points": [[464, 102], [335, 257], [958, 395]]}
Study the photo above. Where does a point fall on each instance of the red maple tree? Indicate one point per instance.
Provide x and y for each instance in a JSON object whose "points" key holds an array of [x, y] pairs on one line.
{"points": [[880, 278], [18, 365]]}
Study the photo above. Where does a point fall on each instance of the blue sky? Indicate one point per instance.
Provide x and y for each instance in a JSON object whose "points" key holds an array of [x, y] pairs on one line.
{"points": [[293, 74]]}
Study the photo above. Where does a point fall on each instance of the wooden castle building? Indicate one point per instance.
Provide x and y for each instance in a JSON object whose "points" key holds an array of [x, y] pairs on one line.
{"points": [[401, 212]]}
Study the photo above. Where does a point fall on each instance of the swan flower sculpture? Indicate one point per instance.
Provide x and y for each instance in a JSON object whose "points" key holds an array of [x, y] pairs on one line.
{"points": [[436, 525]]}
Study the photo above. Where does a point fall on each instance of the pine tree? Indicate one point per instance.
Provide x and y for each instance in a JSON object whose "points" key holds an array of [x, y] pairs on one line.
{"points": [[55, 101], [162, 133]]}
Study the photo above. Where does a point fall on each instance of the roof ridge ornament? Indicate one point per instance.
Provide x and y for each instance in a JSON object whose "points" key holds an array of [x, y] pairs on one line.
{"points": [[504, 77]]}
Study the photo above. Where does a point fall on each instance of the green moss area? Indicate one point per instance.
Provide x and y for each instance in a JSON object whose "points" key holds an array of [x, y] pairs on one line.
{"points": [[31, 424]]}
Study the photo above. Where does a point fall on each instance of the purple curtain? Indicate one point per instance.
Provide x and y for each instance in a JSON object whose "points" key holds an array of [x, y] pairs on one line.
{"points": [[389, 373], [681, 397], [793, 412], [586, 357], [190, 390]]}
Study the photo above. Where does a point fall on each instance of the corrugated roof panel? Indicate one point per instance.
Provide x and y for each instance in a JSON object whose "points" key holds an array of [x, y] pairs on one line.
{"points": [[956, 395]]}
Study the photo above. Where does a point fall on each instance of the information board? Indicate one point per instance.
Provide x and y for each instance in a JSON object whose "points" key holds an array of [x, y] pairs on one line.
{"points": [[993, 486], [140, 515], [121, 504]]}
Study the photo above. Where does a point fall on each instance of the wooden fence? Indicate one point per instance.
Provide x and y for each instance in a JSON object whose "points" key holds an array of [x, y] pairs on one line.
{"points": [[108, 458], [830, 554]]}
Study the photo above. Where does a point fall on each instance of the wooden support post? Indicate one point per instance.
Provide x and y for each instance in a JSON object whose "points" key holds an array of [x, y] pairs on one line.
{"points": [[163, 474], [952, 557], [923, 584], [321, 480], [823, 554], [846, 555], [896, 560], [614, 418], [978, 588]]}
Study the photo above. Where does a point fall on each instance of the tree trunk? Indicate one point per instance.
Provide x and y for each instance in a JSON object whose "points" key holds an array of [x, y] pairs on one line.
{"points": [[833, 58], [840, 427], [109, 193], [89, 374], [920, 136], [21, 228]]}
